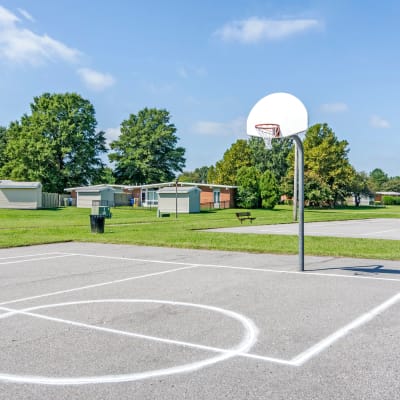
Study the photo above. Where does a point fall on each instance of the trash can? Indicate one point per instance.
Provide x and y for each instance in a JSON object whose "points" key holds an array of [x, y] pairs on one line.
{"points": [[132, 202], [97, 223]]}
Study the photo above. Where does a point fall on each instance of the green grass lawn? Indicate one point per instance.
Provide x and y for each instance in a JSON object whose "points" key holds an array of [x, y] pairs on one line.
{"points": [[142, 227]]}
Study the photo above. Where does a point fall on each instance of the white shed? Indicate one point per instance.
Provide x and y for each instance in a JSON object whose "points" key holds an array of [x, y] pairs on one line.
{"points": [[85, 195], [186, 198], [26, 195]]}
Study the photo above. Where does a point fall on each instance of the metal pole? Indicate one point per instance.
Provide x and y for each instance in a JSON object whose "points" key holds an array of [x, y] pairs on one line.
{"points": [[176, 199], [295, 202], [300, 151]]}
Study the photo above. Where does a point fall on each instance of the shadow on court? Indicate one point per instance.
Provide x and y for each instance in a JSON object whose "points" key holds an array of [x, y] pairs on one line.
{"points": [[371, 269]]}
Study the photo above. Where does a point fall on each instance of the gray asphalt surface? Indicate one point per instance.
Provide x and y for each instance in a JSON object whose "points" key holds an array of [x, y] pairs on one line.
{"points": [[380, 228], [92, 321]]}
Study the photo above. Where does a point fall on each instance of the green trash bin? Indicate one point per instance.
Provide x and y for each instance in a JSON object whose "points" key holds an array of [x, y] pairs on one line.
{"points": [[97, 223]]}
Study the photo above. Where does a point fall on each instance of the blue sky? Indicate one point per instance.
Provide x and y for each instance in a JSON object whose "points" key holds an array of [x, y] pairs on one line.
{"points": [[208, 62]]}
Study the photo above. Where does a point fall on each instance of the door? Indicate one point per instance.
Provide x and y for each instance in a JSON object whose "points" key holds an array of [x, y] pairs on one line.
{"points": [[217, 196]]}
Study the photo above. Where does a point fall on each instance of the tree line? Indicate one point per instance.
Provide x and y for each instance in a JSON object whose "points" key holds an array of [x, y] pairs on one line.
{"points": [[58, 144], [264, 175]]}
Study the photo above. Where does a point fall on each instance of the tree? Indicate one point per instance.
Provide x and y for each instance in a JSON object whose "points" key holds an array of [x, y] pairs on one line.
{"points": [[377, 178], [3, 142], [199, 175], [146, 150], [188, 176], [269, 191], [274, 159], [202, 173], [392, 185], [248, 192], [105, 176], [360, 186], [236, 157], [328, 175], [57, 144], [211, 174]]}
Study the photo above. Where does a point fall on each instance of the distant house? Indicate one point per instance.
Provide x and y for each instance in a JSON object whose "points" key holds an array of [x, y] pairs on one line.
{"points": [[379, 195], [362, 200], [24, 195], [211, 195], [83, 196]]}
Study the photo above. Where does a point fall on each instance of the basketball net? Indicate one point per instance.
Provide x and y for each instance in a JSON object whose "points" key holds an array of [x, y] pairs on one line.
{"points": [[268, 132]]}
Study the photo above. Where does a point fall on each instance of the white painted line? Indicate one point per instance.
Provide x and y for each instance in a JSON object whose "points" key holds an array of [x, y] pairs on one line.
{"points": [[273, 271], [188, 266], [339, 334], [303, 274], [268, 359], [34, 259], [31, 255], [246, 343], [12, 312], [142, 260], [95, 285]]}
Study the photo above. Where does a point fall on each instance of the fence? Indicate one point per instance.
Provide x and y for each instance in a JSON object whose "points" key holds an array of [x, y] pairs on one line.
{"points": [[122, 199], [53, 200], [211, 205]]}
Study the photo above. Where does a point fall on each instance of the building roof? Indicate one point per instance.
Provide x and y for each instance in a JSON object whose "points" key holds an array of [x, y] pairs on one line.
{"points": [[94, 188], [148, 186], [173, 189], [169, 184], [7, 184], [389, 193]]}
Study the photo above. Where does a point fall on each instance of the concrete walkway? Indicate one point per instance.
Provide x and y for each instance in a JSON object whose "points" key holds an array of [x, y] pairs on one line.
{"points": [[381, 228]]}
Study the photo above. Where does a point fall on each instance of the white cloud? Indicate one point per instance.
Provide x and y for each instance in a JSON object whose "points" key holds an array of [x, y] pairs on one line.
{"points": [[7, 18], [96, 80], [26, 15], [378, 122], [236, 128], [112, 134], [256, 29], [334, 107], [21, 45]]}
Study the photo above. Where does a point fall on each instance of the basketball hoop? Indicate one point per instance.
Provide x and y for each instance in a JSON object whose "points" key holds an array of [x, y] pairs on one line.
{"points": [[268, 132]]}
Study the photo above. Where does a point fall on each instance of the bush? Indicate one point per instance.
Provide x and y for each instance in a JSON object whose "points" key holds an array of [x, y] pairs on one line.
{"points": [[269, 190], [391, 200], [248, 193]]}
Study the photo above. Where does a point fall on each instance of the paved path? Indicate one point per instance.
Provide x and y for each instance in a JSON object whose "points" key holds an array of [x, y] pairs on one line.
{"points": [[381, 228]]}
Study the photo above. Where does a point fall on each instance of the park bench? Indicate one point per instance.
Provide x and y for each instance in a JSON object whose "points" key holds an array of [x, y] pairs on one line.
{"points": [[161, 214], [244, 215]]}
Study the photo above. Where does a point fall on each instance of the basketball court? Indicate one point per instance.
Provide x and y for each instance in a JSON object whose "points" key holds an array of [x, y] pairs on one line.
{"points": [[379, 228], [93, 321]]}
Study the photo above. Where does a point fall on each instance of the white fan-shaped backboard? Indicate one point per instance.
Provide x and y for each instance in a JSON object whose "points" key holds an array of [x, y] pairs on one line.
{"points": [[279, 108]]}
